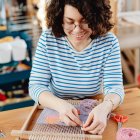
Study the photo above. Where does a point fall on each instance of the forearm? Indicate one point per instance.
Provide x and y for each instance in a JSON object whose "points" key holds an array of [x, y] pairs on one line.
{"points": [[111, 102], [47, 99]]}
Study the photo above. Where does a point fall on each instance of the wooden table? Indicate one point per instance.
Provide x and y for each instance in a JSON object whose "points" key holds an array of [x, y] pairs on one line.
{"points": [[14, 119]]}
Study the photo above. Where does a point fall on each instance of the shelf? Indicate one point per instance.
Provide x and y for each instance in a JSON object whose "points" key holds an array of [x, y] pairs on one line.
{"points": [[14, 100], [16, 103], [14, 76], [3, 28]]}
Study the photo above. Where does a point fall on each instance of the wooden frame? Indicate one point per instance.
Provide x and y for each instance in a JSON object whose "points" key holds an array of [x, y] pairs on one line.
{"points": [[26, 131]]}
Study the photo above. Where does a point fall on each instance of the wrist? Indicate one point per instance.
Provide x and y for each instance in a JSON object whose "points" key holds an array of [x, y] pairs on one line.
{"points": [[60, 105], [110, 101], [108, 105]]}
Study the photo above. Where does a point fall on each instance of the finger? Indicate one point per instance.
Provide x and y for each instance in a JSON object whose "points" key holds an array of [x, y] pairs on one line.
{"points": [[75, 111], [68, 121], [97, 129], [88, 121], [75, 119], [101, 131], [91, 127], [78, 111]]}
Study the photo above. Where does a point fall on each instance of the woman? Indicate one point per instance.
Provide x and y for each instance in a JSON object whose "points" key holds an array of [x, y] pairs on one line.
{"points": [[75, 58]]}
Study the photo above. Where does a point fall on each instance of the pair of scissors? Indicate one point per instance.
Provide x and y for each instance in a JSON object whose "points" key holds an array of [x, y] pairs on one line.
{"points": [[120, 119]]}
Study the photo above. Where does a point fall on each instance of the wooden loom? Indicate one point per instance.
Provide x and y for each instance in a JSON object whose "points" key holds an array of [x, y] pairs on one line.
{"points": [[33, 131]]}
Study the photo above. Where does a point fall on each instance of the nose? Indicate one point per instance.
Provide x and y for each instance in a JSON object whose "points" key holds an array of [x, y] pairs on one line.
{"points": [[77, 28]]}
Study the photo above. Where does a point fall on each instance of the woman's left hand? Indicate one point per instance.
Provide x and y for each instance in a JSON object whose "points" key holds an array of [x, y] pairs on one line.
{"points": [[97, 120]]}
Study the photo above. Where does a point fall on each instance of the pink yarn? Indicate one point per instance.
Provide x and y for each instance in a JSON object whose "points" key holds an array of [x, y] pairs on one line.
{"points": [[128, 134], [87, 105]]}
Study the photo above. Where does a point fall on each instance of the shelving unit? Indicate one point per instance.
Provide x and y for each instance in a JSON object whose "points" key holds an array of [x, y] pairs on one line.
{"points": [[17, 75], [10, 80], [22, 26]]}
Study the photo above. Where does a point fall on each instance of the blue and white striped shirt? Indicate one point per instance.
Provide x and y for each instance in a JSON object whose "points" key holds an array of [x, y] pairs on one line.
{"points": [[60, 69]]}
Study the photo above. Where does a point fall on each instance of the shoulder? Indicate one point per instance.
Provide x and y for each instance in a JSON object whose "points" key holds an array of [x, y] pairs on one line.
{"points": [[108, 40], [48, 34], [50, 41], [108, 37]]}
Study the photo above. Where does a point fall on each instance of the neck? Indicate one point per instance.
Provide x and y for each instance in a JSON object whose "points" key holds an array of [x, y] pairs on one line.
{"points": [[79, 46]]}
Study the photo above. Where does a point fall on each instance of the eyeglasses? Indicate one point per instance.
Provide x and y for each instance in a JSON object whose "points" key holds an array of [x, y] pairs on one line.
{"points": [[72, 26]]}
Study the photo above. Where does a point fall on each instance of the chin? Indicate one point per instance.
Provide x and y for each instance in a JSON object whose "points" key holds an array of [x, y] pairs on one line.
{"points": [[79, 39]]}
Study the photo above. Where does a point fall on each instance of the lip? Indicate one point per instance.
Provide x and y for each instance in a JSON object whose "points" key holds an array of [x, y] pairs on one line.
{"points": [[79, 36]]}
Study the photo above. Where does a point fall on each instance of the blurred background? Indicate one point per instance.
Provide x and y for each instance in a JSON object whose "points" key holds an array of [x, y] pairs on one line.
{"points": [[21, 23]]}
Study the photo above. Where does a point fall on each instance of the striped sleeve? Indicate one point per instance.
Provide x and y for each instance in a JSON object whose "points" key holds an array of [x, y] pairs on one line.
{"points": [[112, 77], [40, 73]]}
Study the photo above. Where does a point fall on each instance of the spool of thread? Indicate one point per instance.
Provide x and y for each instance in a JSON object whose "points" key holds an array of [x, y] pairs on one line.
{"points": [[128, 134]]}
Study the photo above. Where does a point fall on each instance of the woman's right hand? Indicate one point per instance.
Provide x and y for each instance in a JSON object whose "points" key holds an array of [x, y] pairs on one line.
{"points": [[69, 114]]}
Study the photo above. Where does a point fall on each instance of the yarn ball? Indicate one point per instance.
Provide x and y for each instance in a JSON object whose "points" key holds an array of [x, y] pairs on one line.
{"points": [[128, 134], [87, 105]]}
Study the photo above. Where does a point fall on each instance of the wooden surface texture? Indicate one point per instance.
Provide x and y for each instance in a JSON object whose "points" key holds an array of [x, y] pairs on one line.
{"points": [[14, 119]]}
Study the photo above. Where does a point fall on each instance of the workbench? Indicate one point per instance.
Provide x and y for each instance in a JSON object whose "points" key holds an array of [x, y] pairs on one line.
{"points": [[14, 119]]}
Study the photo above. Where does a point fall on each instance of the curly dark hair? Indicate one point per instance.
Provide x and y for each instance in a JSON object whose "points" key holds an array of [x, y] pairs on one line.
{"points": [[97, 13]]}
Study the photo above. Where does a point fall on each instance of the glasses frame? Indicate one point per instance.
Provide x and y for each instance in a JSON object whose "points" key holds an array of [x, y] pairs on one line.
{"points": [[73, 26]]}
